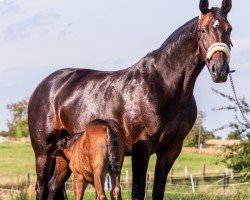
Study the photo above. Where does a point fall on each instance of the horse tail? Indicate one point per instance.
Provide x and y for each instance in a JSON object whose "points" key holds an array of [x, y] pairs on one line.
{"points": [[113, 150]]}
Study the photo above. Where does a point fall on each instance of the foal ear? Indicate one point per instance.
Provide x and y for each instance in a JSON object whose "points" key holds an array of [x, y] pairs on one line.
{"points": [[226, 6], [58, 152], [204, 6]]}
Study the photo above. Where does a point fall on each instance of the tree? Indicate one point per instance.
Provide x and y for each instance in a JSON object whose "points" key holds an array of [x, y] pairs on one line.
{"points": [[240, 128], [234, 135], [237, 157], [18, 124], [198, 134]]}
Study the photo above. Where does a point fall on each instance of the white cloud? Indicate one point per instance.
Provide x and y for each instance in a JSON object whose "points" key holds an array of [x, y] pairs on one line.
{"points": [[24, 28], [8, 7]]}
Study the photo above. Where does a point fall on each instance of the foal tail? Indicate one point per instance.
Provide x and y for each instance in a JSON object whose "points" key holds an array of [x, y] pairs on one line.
{"points": [[113, 150]]}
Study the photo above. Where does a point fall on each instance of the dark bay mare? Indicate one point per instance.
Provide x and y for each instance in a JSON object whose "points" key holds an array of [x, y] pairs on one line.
{"points": [[152, 101]]}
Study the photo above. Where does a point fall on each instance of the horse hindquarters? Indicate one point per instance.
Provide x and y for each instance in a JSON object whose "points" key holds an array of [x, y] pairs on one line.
{"points": [[99, 164]]}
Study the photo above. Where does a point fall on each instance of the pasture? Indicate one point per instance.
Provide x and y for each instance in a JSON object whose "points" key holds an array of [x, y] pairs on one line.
{"points": [[19, 160]]}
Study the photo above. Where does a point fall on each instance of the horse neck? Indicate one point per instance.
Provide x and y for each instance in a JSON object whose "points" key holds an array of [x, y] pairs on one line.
{"points": [[178, 60]]}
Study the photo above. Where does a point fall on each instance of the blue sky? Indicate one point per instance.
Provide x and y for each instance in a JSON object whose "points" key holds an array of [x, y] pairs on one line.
{"points": [[39, 37]]}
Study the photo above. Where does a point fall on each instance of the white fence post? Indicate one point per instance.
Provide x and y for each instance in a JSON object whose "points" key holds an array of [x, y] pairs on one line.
{"points": [[126, 177], [186, 172]]}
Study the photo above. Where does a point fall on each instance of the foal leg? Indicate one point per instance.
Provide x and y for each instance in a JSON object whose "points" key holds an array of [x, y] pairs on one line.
{"points": [[165, 160], [99, 179], [60, 176], [79, 185], [115, 193], [140, 156]]}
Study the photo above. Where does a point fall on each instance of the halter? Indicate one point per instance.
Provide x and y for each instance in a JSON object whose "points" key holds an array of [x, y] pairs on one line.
{"points": [[216, 47]]}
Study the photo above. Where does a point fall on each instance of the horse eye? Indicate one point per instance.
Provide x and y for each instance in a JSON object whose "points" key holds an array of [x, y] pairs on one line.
{"points": [[203, 30]]}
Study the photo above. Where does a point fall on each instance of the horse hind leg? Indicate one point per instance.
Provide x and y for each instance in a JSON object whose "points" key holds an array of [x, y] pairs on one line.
{"points": [[44, 165], [44, 143], [60, 176], [115, 192]]}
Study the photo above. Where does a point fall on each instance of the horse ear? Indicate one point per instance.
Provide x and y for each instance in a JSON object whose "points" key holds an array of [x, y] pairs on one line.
{"points": [[226, 6], [204, 4]]}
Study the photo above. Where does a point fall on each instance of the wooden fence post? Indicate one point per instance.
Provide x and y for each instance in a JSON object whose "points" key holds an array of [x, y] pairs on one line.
{"points": [[192, 183], [204, 172], [171, 176], [28, 179], [224, 181]]}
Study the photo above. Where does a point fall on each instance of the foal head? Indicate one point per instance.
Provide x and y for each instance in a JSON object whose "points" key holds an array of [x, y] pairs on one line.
{"points": [[214, 41]]}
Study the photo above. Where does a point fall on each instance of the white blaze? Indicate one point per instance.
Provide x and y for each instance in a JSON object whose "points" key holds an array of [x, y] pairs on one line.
{"points": [[216, 23]]}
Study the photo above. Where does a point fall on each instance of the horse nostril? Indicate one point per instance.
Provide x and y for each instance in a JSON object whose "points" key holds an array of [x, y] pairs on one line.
{"points": [[225, 70], [213, 69]]}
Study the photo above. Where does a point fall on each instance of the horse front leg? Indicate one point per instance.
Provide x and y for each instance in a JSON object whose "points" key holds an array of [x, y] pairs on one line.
{"points": [[140, 156], [165, 160]]}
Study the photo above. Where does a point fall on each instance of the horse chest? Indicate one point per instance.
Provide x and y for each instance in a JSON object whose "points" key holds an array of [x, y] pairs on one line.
{"points": [[176, 128]]}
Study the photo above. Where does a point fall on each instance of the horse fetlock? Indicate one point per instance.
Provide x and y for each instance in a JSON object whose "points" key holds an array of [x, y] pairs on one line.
{"points": [[101, 197], [116, 194]]}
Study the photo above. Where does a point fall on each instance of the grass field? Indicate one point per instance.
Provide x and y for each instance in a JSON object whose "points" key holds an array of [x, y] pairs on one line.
{"points": [[17, 159]]}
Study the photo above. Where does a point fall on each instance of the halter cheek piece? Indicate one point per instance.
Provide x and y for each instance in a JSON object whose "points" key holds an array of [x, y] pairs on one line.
{"points": [[216, 47]]}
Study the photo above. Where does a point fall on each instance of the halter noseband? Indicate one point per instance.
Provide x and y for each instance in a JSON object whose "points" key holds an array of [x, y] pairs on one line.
{"points": [[216, 47]]}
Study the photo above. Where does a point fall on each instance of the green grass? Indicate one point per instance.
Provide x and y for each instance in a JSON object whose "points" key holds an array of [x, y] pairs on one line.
{"points": [[17, 159], [193, 161]]}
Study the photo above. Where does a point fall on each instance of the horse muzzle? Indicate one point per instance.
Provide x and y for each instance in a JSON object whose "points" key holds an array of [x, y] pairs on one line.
{"points": [[219, 73]]}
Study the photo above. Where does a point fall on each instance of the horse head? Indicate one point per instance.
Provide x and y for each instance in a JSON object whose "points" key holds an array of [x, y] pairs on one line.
{"points": [[214, 41]]}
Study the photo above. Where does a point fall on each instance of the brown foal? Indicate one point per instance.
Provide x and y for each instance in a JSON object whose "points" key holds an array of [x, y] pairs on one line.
{"points": [[91, 155]]}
